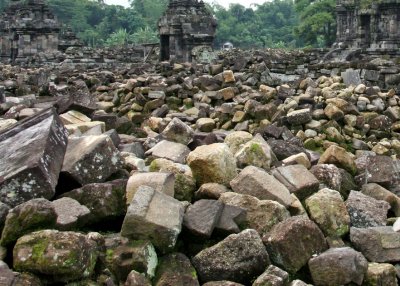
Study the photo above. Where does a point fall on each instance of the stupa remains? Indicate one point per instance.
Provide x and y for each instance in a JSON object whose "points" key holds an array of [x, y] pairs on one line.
{"points": [[185, 28]]}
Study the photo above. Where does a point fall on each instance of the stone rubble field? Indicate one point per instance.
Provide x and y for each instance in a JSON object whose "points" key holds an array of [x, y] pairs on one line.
{"points": [[190, 174]]}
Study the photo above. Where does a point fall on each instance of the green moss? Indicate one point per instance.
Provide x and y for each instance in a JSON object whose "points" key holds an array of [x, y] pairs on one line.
{"points": [[109, 255], [256, 148], [39, 249], [194, 273]]}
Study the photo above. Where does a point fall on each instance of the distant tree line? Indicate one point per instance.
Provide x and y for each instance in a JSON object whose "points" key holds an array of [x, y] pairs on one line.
{"points": [[274, 24]]}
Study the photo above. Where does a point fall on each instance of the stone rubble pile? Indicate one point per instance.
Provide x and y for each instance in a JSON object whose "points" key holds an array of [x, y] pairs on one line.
{"points": [[189, 174]]}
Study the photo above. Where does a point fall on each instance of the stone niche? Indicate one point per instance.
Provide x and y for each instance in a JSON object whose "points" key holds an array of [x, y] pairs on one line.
{"points": [[27, 27], [367, 24], [185, 28]]}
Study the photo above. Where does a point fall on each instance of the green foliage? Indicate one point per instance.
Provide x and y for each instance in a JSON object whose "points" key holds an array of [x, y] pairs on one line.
{"points": [[269, 25], [317, 19]]}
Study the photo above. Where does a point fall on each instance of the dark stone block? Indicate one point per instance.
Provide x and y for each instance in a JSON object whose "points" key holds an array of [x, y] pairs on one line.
{"points": [[31, 155]]}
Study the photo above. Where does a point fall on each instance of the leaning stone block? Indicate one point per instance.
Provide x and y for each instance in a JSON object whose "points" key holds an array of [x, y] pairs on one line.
{"points": [[91, 159], [31, 158], [298, 180], [154, 216]]}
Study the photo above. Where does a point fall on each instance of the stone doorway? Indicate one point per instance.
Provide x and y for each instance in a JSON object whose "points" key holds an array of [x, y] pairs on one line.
{"points": [[365, 30], [164, 51]]}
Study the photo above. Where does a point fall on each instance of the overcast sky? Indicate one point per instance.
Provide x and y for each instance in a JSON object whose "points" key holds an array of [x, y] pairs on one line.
{"points": [[225, 3]]}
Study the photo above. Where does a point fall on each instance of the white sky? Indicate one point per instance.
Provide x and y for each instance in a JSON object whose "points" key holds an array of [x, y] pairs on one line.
{"points": [[224, 3]]}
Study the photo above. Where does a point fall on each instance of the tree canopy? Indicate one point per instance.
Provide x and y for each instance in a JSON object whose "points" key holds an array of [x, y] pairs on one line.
{"points": [[273, 24]]}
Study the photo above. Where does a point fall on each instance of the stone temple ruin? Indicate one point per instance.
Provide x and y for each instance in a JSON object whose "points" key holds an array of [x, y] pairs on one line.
{"points": [[27, 28], [371, 25], [186, 29]]}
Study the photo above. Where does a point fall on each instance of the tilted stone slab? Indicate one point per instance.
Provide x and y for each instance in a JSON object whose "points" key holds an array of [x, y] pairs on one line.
{"points": [[91, 159], [256, 182], [154, 216], [298, 180], [31, 156], [377, 244]]}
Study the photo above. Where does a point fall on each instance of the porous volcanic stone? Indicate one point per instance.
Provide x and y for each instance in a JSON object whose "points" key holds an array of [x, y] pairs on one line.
{"points": [[239, 258], [380, 274], [338, 266], [293, 242], [177, 131], [70, 214], [366, 211], [31, 158], [60, 256]]}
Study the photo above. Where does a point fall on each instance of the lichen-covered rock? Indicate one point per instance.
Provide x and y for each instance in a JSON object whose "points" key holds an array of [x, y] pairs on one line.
{"points": [[58, 256], [236, 139], [380, 193], [258, 183], [31, 158], [222, 283], [299, 117], [239, 258], [33, 215], [175, 269], [185, 185], [91, 159], [213, 163], [380, 274], [106, 201], [262, 215], [366, 211], [255, 152], [327, 209], [293, 242], [338, 266], [136, 255], [154, 216]]}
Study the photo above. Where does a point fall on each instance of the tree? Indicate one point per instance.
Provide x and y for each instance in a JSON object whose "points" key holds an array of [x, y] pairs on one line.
{"points": [[149, 10], [317, 21]]}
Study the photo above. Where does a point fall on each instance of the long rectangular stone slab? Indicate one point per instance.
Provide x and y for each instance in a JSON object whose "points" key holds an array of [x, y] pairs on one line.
{"points": [[31, 156]]}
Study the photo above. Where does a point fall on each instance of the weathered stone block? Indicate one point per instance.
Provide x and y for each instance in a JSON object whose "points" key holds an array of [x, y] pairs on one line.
{"points": [[297, 179], [213, 163], [31, 158], [91, 159], [380, 274], [70, 214], [106, 201], [175, 269], [338, 266], [258, 183], [161, 182], [238, 258], [154, 216], [173, 151], [202, 217], [293, 242], [366, 211], [178, 131], [59, 256], [377, 244]]}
